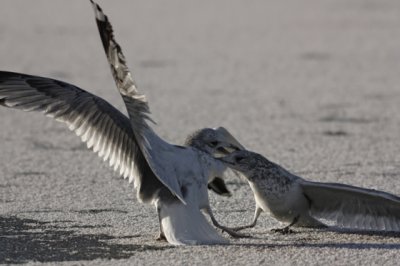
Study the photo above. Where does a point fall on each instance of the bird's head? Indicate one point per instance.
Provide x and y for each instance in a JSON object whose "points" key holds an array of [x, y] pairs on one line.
{"points": [[215, 141], [243, 161]]}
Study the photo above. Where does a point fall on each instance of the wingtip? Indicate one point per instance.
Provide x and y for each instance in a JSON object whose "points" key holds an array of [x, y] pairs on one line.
{"points": [[98, 11]]}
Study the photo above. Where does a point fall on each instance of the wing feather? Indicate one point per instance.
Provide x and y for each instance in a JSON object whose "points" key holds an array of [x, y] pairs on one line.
{"points": [[136, 105], [104, 129], [353, 207]]}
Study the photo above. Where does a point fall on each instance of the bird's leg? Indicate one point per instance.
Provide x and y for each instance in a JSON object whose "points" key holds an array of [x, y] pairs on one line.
{"points": [[253, 223], [160, 236], [286, 230], [231, 232]]}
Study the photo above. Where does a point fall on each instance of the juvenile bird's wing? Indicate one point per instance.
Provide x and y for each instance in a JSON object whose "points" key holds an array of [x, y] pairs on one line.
{"points": [[103, 128], [138, 110], [353, 207]]}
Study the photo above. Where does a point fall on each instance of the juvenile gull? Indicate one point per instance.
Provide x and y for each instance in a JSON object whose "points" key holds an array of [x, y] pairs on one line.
{"points": [[173, 178], [298, 202]]}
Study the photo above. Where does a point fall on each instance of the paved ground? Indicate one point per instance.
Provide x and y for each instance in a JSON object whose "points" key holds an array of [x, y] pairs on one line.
{"points": [[311, 84]]}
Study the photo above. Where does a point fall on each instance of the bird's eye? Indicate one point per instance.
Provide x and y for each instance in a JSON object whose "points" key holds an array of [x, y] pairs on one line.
{"points": [[214, 143]]}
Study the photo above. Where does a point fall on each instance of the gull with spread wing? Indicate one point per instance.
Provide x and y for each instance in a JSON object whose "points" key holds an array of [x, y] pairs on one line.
{"points": [[298, 202], [173, 178]]}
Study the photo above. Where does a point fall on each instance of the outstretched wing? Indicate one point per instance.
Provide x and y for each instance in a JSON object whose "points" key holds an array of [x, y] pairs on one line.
{"points": [[136, 105], [104, 129], [353, 207]]}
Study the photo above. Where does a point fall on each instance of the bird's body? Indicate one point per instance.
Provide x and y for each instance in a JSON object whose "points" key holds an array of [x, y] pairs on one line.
{"points": [[298, 202], [279, 192], [173, 178], [184, 223]]}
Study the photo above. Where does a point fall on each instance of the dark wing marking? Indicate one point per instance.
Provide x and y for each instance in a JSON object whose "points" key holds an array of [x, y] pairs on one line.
{"points": [[135, 102], [136, 105]]}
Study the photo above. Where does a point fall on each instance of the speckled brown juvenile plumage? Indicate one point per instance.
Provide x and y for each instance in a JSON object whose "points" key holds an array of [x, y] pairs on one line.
{"points": [[293, 200]]}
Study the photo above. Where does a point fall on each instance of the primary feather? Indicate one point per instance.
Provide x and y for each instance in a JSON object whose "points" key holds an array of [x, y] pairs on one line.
{"points": [[353, 207]]}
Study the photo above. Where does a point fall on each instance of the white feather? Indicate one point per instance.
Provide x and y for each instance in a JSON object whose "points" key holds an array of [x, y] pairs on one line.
{"points": [[186, 225]]}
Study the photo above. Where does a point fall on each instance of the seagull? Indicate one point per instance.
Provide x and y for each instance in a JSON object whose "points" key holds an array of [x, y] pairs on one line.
{"points": [[171, 177], [298, 202], [217, 141]]}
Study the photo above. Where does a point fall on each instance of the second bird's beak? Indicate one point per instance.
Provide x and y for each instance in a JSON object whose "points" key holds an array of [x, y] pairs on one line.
{"points": [[225, 149], [229, 143]]}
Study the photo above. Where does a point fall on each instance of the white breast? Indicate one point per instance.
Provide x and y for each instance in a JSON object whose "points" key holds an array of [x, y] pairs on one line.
{"points": [[283, 206]]}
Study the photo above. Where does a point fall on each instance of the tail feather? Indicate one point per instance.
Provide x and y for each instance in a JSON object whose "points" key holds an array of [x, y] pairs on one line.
{"points": [[186, 225]]}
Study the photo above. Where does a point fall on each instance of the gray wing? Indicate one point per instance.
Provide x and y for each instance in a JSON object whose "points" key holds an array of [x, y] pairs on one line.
{"points": [[135, 102], [137, 107], [103, 128], [353, 207]]}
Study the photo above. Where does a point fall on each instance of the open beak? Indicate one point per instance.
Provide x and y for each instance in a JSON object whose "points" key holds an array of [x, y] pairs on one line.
{"points": [[224, 149], [227, 149], [229, 145]]}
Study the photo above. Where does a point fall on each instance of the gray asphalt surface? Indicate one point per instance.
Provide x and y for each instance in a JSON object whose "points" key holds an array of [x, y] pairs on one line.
{"points": [[311, 84]]}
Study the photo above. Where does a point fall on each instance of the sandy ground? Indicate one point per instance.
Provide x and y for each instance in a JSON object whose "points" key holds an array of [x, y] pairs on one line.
{"points": [[311, 84]]}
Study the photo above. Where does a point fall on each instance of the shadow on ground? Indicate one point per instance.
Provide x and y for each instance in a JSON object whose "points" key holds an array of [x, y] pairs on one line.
{"points": [[355, 246], [23, 240], [336, 243]]}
